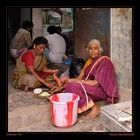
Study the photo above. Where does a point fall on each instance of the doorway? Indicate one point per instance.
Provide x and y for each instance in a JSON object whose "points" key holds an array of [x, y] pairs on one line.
{"points": [[92, 23]]}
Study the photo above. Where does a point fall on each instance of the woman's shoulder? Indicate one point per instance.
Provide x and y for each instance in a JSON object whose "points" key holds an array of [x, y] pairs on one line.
{"points": [[105, 57], [28, 53], [106, 60]]}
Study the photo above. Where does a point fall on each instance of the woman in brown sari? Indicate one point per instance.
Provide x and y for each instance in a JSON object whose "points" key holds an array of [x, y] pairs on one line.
{"points": [[31, 71]]}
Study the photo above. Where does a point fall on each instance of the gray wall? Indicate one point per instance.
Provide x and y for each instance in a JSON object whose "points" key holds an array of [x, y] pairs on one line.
{"points": [[13, 23], [37, 20], [25, 14], [121, 45]]}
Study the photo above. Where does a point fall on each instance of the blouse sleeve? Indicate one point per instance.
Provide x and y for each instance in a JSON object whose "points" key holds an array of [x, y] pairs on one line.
{"points": [[28, 59]]}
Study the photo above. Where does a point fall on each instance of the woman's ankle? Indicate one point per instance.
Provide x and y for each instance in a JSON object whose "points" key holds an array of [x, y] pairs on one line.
{"points": [[86, 107]]}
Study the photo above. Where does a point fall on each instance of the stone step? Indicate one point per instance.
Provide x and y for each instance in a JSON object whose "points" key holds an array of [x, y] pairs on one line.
{"points": [[37, 118], [27, 116], [81, 125], [110, 117]]}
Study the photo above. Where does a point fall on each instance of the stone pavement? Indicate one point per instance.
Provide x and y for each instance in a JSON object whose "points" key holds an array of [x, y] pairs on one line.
{"points": [[29, 114]]}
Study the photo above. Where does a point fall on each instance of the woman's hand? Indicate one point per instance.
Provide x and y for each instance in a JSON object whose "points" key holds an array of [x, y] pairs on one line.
{"points": [[48, 85], [72, 80], [59, 83], [56, 71], [56, 89], [64, 80], [50, 70]]}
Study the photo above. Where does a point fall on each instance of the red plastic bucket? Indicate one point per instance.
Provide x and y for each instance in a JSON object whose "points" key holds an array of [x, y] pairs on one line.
{"points": [[64, 109]]}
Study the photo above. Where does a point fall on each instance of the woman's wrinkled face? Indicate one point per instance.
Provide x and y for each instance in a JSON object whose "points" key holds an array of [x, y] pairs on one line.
{"points": [[39, 48], [93, 50]]}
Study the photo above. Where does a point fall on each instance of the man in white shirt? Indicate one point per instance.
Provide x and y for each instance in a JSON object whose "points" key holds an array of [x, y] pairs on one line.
{"points": [[57, 46]]}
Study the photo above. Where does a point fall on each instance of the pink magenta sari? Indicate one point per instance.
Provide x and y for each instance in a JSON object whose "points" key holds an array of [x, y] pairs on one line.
{"points": [[102, 70]]}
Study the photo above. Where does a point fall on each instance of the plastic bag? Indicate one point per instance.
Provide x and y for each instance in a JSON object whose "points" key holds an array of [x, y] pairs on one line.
{"points": [[76, 67]]}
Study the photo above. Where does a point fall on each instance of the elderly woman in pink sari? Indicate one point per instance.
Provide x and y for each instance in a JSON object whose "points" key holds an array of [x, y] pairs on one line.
{"points": [[96, 82]]}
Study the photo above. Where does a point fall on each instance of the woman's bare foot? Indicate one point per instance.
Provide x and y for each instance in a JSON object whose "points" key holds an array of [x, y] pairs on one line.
{"points": [[95, 111], [86, 107], [25, 88]]}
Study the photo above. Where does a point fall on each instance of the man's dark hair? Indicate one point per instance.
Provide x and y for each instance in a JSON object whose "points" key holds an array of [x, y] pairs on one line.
{"points": [[27, 24], [51, 29], [59, 29]]}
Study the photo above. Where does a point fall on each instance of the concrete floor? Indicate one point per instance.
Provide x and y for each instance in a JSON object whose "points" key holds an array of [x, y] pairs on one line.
{"points": [[29, 114]]}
